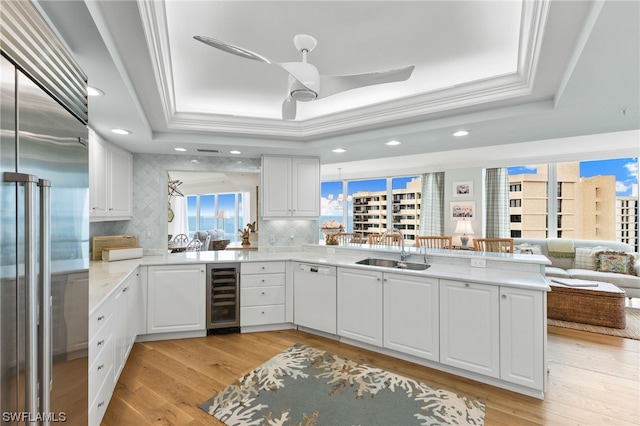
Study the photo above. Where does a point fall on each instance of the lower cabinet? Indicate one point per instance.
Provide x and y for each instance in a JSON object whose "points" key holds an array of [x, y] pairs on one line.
{"points": [[113, 327], [262, 294], [176, 298], [411, 315], [360, 305], [522, 337], [470, 326]]}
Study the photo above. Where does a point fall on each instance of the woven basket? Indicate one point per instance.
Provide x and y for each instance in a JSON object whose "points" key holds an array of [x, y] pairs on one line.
{"points": [[218, 244]]}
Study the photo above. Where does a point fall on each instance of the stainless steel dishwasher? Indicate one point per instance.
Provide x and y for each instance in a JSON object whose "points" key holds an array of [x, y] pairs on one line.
{"points": [[314, 293]]}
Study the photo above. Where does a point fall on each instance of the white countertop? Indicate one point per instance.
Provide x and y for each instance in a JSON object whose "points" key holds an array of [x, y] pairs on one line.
{"points": [[104, 277]]}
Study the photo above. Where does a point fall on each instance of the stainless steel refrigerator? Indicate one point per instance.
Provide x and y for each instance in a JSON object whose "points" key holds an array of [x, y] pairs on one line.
{"points": [[44, 247]]}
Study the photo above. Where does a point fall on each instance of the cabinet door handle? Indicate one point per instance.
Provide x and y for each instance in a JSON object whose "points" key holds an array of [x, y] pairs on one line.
{"points": [[124, 290], [466, 284], [100, 367], [101, 318], [100, 343], [263, 293], [100, 404], [504, 296]]}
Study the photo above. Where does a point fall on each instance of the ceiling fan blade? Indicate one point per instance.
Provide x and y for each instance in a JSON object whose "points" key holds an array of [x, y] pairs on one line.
{"points": [[289, 107], [235, 50], [332, 84]]}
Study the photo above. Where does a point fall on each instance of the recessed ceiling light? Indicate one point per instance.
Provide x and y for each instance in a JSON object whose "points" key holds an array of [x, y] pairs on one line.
{"points": [[121, 131], [94, 91], [180, 149], [393, 143], [236, 152], [339, 150], [461, 133]]}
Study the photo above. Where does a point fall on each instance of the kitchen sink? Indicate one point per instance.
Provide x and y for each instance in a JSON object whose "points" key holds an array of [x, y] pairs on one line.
{"points": [[387, 263]]}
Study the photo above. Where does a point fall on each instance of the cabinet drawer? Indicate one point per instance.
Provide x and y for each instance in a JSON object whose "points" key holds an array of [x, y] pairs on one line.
{"points": [[100, 316], [261, 315], [101, 369], [262, 280], [262, 267], [98, 341], [258, 296], [98, 406]]}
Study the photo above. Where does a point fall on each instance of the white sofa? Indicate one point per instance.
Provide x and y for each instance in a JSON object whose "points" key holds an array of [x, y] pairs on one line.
{"points": [[582, 264]]}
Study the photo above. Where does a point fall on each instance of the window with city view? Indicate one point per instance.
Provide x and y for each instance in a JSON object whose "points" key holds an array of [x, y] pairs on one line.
{"points": [[596, 200], [372, 206]]}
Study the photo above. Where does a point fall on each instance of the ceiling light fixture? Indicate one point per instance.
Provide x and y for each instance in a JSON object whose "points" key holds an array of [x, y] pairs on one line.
{"points": [[94, 91], [180, 149], [121, 131], [339, 150], [393, 143], [235, 152], [460, 133]]}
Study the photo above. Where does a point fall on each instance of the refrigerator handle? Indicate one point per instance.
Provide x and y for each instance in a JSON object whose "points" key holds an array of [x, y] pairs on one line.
{"points": [[31, 289], [46, 331]]}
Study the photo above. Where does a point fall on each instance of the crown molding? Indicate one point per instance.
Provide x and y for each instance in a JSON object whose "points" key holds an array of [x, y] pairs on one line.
{"points": [[404, 110]]}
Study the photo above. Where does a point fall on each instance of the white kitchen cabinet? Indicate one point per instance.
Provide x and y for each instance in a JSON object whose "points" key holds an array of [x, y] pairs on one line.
{"points": [[126, 311], [360, 305], [290, 187], [470, 326], [110, 180], [522, 337], [411, 315], [262, 294], [176, 298]]}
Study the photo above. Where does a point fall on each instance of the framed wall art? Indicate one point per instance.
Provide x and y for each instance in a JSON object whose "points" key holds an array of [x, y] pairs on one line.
{"points": [[463, 189], [463, 210]]}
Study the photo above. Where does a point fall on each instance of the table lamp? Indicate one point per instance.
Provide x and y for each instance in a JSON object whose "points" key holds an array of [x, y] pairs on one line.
{"points": [[464, 227]]}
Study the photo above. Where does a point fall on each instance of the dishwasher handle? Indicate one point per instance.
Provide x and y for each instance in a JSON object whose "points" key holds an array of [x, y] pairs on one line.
{"points": [[323, 270]]}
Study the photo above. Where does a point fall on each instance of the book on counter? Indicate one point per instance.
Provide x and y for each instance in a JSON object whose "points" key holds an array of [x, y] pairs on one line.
{"points": [[574, 282]]}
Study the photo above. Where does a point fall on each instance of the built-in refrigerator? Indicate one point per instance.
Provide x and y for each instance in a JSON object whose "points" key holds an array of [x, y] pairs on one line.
{"points": [[44, 234]]}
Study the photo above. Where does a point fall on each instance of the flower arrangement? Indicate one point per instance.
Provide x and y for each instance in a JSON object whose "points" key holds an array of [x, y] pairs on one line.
{"points": [[331, 229]]}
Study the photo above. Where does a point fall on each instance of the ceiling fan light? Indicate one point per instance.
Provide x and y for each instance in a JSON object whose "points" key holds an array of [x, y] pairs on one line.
{"points": [[304, 95]]}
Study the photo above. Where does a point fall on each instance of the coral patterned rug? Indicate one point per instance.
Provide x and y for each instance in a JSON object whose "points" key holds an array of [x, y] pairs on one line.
{"points": [[307, 386]]}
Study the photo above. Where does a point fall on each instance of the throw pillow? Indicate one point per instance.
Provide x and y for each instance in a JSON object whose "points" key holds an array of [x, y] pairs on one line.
{"points": [[616, 261], [586, 257]]}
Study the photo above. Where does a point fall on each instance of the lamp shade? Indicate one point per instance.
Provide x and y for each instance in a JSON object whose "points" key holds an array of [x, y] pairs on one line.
{"points": [[223, 214], [463, 227]]}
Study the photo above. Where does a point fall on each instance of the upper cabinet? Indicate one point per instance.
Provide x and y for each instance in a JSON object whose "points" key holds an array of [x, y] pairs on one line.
{"points": [[290, 187], [110, 180]]}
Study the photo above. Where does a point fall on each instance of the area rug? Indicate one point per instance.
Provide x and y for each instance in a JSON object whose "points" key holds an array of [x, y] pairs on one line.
{"points": [[308, 386], [631, 331]]}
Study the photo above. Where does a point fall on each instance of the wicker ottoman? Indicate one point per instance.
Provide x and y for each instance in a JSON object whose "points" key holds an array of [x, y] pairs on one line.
{"points": [[602, 305]]}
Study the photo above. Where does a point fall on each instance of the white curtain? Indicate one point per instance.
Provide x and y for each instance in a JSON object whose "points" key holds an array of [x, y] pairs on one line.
{"points": [[432, 204], [180, 222], [497, 193]]}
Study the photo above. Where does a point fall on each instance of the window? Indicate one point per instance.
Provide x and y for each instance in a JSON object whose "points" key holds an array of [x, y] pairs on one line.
{"points": [[516, 218], [372, 206], [218, 211], [589, 201]]}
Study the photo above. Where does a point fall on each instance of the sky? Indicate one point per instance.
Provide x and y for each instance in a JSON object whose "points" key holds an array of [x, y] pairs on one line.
{"points": [[624, 169]]}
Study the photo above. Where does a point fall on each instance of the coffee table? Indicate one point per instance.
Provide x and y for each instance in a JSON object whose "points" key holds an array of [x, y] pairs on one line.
{"points": [[602, 305]]}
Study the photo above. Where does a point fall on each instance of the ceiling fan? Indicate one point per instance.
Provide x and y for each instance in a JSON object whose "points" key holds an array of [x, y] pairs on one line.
{"points": [[305, 82]]}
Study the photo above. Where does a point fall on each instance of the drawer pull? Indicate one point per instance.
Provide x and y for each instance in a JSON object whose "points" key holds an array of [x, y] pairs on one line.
{"points": [[263, 293], [100, 404], [124, 290], [466, 284], [100, 367], [262, 312], [100, 343], [101, 318], [504, 296]]}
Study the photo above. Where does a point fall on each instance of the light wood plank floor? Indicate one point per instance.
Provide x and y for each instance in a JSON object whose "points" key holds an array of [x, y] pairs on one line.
{"points": [[593, 379]]}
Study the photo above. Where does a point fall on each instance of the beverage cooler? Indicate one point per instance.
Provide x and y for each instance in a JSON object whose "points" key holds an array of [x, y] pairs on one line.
{"points": [[223, 296]]}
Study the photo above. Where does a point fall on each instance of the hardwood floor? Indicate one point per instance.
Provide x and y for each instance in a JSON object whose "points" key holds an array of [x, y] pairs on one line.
{"points": [[592, 380]]}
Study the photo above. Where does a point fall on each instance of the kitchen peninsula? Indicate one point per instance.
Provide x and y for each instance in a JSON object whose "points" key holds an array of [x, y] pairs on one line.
{"points": [[476, 315]]}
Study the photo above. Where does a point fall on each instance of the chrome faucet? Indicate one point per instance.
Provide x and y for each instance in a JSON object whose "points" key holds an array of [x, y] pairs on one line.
{"points": [[404, 255]]}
